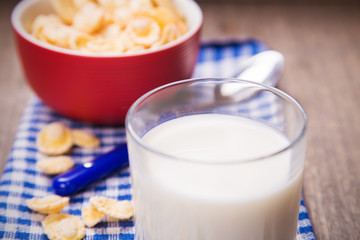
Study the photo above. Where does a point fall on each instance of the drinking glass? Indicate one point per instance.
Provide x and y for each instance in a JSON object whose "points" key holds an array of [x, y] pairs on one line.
{"points": [[216, 159]]}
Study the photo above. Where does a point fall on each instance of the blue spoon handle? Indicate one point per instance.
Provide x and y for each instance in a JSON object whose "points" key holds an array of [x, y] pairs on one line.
{"points": [[80, 177]]}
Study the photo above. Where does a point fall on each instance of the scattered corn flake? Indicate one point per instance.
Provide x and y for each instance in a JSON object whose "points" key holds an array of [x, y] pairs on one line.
{"points": [[111, 219], [121, 210], [55, 165], [84, 138], [54, 139], [63, 226], [48, 204], [91, 216]]}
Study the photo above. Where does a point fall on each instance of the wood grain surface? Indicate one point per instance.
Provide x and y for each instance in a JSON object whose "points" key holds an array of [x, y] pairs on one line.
{"points": [[321, 45]]}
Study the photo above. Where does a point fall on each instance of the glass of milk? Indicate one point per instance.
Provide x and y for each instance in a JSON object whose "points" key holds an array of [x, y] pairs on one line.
{"points": [[216, 159]]}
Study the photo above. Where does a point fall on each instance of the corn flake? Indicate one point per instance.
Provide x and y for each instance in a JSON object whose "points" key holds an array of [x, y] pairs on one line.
{"points": [[91, 216], [85, 138], [110, 5], [63, 226], [169, 5], [140, 5], [48, 204], [66, 9], [89, 19], [161, 15], [121, 17], [80, 3], [170, 33], [55, 165], [54, 139], [143, 30], [121, 210]]}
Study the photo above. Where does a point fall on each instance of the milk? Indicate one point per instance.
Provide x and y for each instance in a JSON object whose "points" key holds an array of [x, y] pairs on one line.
{"points": [[211, 185]]}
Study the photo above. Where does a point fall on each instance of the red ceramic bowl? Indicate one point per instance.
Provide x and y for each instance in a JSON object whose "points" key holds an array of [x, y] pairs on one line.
{"points": [[100, 88]]}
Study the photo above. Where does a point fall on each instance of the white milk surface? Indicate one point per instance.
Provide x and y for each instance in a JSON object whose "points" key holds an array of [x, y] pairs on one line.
{"points": [[212, 190]]}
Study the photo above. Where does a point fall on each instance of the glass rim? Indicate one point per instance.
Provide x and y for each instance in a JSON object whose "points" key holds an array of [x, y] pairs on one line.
{"points": [[276, 91]]}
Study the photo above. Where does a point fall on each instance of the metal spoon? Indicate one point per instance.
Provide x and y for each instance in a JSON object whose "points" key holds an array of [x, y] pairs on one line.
{"points": [[265, 67]]}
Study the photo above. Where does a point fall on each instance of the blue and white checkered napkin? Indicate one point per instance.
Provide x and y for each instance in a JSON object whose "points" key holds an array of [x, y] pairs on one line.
{"points": [[21, 179]]}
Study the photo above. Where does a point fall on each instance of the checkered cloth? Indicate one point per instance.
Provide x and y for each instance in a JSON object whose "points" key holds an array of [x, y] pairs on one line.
{"points": [[21, 180]]}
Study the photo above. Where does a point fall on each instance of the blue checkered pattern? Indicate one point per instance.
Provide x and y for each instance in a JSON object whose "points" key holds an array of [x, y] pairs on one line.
{"points": [[21, 179]]}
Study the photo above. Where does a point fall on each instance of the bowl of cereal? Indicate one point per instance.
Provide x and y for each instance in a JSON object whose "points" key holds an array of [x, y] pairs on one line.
{"points": [[91, 59]]}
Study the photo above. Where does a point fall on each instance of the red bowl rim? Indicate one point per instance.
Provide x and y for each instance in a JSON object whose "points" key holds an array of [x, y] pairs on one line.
{"points": [[22, 6]]}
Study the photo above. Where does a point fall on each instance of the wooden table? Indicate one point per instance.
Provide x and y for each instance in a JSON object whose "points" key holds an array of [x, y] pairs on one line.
{"points": [[321, 44]]}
